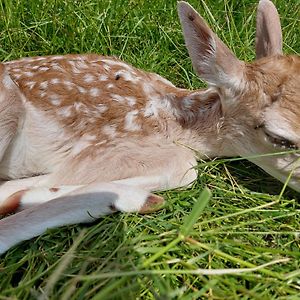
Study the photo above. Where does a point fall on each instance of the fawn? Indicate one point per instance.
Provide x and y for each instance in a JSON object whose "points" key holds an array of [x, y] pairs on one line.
{"points": [[87, 135]]}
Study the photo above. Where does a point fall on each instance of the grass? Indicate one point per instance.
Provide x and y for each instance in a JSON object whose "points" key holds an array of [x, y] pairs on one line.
{"points": [[245, 243]]}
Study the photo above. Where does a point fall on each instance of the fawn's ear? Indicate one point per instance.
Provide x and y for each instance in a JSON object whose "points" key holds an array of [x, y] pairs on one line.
{"points": [[212, 59], [268, 39]]}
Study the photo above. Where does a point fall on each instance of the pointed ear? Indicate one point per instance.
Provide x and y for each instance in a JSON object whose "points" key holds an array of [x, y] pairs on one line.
{"points": [[268, 30], [212, 59]]}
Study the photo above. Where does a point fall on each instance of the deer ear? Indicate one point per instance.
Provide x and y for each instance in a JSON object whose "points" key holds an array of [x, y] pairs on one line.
{"points": [[268, 30], [212, 59]]}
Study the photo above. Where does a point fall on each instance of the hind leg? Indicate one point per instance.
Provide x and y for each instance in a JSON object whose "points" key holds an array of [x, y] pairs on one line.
{"points": [[82, 205]]}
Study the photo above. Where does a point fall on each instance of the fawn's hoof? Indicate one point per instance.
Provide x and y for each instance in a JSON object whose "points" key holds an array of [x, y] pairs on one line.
{"points": [[11, 203], [153, 203]]}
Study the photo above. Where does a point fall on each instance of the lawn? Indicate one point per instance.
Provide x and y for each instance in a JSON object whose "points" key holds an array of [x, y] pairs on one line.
{"points": [[245, 243]]}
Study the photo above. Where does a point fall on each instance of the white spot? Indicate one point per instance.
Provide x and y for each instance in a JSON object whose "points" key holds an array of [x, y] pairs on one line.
{"points": [[130, 121], [109, 130], [55, 99], [131, 100], [28, 74], [110, 86], [65, 111], [56, 102], [43, 69], [106, 67], [88, 78], [35, 67], [44, 85], [94, 92], [68, 84], [148, 89], [56, 66], [155, 104], [81, 64], [55, 81], [117, 98], [78, 105], [103, 77], [81, 90], [17, 76], [101, 108], [151, 108], [78, 66], [30, 84]]}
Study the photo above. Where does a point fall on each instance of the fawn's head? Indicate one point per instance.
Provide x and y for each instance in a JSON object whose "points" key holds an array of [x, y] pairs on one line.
{"points": [[260, 100]]}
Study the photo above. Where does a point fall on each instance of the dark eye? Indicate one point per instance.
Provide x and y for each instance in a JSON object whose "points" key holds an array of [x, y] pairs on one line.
{"points": [[280, 142]]}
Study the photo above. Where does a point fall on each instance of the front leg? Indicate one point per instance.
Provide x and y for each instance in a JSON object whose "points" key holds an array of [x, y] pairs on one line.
{"points": [[144, 163], [175, 169], [167, 168]]}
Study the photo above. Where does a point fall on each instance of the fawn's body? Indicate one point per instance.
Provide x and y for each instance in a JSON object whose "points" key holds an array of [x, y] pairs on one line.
{"points": [[88, 110], [95, 135]]}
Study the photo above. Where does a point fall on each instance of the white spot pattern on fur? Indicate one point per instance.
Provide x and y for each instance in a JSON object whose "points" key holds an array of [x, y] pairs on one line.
{"points": [[43, 69], [94, 92], [44, 85], [65, 111], [55, 81], [88, 78], [131, 100], [103, 78], [55, 99], [110, 86], [81, 90], [101, 108], [130, 121], [117, 98], [30, 84], [28, 74], [69, 85], [109, 130]]}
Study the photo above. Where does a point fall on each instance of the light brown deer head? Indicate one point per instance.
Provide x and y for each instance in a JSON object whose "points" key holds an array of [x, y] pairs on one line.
{"points": [[260, 100]]}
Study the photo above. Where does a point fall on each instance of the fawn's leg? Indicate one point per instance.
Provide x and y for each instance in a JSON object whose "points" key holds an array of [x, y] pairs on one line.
{"points": [[84, 204], [9, 204], [147, 163], [175, 170], [11, 109]]}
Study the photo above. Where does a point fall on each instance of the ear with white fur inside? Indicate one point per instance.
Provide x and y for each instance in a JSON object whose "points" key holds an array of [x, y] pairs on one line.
{"points": [[268, 39], [212, 59]]}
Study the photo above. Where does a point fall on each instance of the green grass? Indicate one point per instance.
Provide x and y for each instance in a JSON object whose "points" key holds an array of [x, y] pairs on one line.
{"points": [[171, 254]]}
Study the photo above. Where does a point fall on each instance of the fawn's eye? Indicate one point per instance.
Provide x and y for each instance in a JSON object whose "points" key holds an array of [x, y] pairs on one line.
{"points": [[280, 142]]}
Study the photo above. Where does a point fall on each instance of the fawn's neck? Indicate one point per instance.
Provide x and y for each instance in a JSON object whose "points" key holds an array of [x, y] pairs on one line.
{"points": [[199, 116]]}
